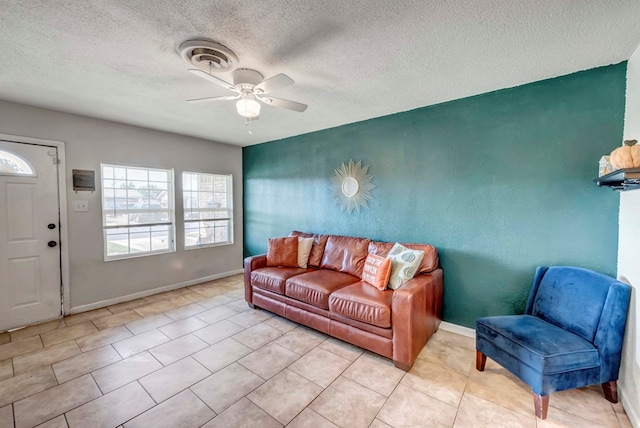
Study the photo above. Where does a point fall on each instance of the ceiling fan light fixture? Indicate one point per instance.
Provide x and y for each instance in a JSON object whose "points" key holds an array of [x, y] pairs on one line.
{"points": [[248, 106]]}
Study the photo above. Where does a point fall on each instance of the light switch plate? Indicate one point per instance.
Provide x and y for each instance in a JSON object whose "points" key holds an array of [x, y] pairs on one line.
{"points": [[80, 206]]}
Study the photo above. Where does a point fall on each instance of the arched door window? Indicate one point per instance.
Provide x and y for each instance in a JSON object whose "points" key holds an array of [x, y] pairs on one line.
{"points": [[13, 164]]}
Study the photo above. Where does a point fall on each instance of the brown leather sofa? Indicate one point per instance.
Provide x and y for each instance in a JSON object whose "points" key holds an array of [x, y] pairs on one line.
{"points": [[329, 296]]}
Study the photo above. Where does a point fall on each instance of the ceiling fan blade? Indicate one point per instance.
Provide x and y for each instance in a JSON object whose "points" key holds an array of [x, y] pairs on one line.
{"points": [[213, 79], [274, 83], [208, 99], [279, 102]]}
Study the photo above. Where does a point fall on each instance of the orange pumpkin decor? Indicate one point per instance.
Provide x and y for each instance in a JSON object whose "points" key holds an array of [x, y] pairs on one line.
{"points": [[627, 156]]}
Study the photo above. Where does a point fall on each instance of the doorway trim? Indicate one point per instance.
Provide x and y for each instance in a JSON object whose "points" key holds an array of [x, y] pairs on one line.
{"points": [[62, 201]]}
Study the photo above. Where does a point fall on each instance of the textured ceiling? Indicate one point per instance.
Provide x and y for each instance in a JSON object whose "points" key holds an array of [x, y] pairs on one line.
{"points": [[351, 60]]}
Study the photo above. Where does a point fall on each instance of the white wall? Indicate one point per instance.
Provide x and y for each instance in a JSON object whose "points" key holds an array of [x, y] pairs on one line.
{"points": [[89, 142], [629, 254]]}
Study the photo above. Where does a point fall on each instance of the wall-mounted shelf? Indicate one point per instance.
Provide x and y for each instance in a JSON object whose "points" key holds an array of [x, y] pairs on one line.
{"points": [[622, 179]]}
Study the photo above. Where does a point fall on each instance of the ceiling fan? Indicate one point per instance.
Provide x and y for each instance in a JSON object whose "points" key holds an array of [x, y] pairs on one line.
{"points": [[251, 87]]}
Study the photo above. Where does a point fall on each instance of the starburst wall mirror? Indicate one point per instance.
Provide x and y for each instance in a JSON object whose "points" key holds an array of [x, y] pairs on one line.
{"points": [[351, 186]]}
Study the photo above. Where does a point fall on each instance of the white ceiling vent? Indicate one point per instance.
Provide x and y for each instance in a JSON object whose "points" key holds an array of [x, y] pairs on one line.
{"points": [[210, 57]]}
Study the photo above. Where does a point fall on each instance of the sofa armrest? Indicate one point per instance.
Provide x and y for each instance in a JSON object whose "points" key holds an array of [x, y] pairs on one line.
{"points": [[416, 313], [250, 264]]}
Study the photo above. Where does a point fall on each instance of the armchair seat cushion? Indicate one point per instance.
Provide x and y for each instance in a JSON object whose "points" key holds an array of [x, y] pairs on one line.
{"points": [[315, 287], [362, 302], [544, 347], [273, 278]]}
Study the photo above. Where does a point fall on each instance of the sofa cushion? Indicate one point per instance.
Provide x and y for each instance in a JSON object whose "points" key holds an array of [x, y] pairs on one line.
{"points": [[283, 252], [364, 303], [315, 287], [304, 249], [540, 345], [404, 265], [274, 278], [317, 249], [377, 271], [345, 254], [429, 261]]}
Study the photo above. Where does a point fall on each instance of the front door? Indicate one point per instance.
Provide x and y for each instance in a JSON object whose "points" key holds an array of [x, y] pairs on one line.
{"points": [[29, 235]]}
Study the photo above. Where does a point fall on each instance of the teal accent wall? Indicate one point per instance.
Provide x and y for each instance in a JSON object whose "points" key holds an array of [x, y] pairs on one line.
{"points": [[500, 183]]}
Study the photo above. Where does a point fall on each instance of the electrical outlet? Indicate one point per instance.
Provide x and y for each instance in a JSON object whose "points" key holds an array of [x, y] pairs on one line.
{"points": [[80, 206]]}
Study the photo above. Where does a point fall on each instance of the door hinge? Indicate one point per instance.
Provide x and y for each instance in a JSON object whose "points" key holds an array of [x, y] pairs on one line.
{"points": [[55, 160]]}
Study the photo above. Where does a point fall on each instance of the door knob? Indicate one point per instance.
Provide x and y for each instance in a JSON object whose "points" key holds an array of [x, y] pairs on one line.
{"points": [[51, 226], [52, 243]]}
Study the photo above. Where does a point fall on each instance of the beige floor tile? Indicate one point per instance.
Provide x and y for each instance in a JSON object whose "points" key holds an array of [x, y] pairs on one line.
{"points": [[221, 354], [26, 384], [44, 357], [285, 395], [439, 382], [208, 291], [500, 387], [6, 369], [68, 333], [141, 342], [243, 414], [450, 350], [409, 408], [125, 306], [37, 329], [194, 296], [111, 409], [269, 360], [375, 372], [172, 379], [119, 318], [179, 301], [148, 323], [160, 297], [216, 314], [249, 318], [239, 305], [85, 363], [154, 308], [20, 347], [309, 418], [87, 316], [121, 373], [55, 401], [185, 311], [557, 418], [377, 423], [183, 326], [624, 420], [192, 413], [103, 338], [301, 340], [177, 349], [475, 412], [342, 349], [225, 387], [320, 367], [257, 336], [348, 404], [5, 338], [282, 324], [6, 416], [59, 422], [212, 302], [218, 331], [588, 403]]}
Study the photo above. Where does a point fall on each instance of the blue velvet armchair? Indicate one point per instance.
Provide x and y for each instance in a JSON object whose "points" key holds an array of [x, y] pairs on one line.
{"points": [[570, 335]]}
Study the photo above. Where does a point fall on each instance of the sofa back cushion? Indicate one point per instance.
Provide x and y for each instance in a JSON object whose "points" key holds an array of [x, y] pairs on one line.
{"points": [[317, 249], [345, 254], [429, 261], [282, 252]]}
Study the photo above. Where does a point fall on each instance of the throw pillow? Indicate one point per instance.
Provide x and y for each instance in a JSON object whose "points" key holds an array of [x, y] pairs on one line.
{"points": [[304, 249], [404, 265], [283, 252], [376, 271]]}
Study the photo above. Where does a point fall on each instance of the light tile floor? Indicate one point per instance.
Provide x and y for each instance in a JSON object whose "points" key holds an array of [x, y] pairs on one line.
{"points": [[199, 357]]}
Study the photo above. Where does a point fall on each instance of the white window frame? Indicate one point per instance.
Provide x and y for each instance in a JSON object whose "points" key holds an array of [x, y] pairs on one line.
{"points": [[205, 214], [166, 218]]}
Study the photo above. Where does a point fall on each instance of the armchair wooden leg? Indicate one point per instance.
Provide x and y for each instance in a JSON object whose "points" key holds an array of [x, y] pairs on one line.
{"points": [[611, 391], [541, 403], [481, 360]]}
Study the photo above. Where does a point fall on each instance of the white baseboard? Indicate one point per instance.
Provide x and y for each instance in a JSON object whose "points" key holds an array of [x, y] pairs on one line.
{"points": [[455, 328], [629, 407], [120, 299]]}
